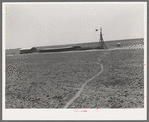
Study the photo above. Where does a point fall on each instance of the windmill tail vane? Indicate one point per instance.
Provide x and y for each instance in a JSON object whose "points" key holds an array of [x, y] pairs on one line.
{"points": [[100, 30]]}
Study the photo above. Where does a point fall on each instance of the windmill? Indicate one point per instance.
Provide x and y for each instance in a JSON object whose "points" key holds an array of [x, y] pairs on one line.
{"points": [[101, 41]]}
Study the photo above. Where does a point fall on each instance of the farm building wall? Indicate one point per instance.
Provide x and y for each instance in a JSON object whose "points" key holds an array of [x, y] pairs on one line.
{"points": [[56, 49]]}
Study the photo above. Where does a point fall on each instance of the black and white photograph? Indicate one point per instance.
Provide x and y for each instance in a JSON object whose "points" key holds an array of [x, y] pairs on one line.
{"points": [[74, 60]]}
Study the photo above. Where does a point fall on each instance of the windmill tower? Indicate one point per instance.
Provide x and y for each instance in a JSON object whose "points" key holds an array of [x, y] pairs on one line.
{"points": [[101, 41]]}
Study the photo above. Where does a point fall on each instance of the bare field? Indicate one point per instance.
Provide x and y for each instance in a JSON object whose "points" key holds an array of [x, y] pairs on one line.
{"points": [[46, 81], [121, 85], [51, 80]]}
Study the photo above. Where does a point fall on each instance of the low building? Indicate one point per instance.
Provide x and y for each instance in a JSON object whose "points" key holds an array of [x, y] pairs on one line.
{"points": [[28, 50], [56, 49]]}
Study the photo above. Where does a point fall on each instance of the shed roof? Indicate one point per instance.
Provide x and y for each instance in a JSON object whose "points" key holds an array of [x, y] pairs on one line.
{"points": [[27, 48]]}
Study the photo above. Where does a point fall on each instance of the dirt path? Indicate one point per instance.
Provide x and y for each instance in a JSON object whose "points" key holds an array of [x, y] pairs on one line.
{"points": [[82, 88]]}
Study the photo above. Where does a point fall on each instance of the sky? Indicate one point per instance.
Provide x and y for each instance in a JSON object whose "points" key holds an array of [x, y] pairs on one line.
{"points": [[45, 24]]}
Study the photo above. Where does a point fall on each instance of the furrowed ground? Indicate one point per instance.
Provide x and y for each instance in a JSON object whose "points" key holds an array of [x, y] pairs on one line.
{"points": [[121, 84], [51, 80], [46, 80]]}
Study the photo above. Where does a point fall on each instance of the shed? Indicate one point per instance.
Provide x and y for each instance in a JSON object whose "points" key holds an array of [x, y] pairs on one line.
{"points": [[28, 50], [118, 45]]}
